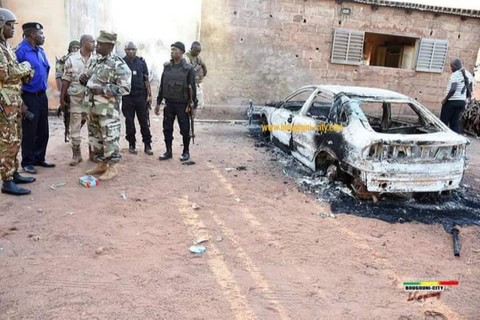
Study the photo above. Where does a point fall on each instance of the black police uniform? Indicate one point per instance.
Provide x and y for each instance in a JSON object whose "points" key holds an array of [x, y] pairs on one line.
{"points": [[136, 103], [174, 87]]}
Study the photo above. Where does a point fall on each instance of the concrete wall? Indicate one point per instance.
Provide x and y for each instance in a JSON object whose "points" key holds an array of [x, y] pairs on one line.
{"points": [[263, 49]]}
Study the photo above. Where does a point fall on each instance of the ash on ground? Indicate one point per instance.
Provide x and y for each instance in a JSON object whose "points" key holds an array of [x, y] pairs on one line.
{"points": [[459, 207]]}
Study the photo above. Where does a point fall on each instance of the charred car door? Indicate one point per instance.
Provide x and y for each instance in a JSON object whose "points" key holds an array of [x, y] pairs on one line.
{"points": [[282, 118], [311, 125]]}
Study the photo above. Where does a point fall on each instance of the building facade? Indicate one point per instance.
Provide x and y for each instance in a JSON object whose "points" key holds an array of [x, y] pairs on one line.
{"points": [[263, 49]]}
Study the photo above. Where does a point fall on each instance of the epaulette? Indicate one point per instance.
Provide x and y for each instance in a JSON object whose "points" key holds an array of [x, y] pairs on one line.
{"points": [[167, 64]]}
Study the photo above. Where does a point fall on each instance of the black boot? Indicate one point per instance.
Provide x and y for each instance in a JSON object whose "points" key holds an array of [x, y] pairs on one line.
{"points": [[132, 149], [10, 187], [185, 155], [148, 149], [17, 178], [186, 145], [167, 154]]}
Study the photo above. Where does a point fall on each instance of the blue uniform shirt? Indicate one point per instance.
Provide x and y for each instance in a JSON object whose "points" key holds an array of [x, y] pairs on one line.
{"points": [[37, 58]]}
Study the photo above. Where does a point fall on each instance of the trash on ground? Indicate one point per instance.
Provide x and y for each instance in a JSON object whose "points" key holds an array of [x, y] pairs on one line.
{"points": [[56, 185], [188, 163], [326, 215], [123, 195], [218, 238], [88, 181], [100, 250], [195, 206], [70, 213], [241, 168], [200, 240], [237, 199], [229, 169], [197, 249], [39, 210], [34, 237]]}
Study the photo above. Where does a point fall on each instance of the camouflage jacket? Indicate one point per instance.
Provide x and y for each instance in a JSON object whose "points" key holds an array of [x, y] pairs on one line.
{"points": [[197, 63], [59, 65], [12, 74], [112, 75]]}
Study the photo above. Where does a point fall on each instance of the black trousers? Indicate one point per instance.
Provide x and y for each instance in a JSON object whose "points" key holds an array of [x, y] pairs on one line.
{"points": [[132, 105], [172, 110], [450, 114], [35, 131]]}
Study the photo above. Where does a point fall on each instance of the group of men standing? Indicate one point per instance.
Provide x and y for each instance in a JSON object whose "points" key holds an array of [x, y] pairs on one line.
{"points": [[93, 87]]}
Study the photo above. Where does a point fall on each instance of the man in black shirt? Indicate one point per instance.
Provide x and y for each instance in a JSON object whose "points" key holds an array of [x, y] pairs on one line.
{"points": [[178, 89], [137, 101]]}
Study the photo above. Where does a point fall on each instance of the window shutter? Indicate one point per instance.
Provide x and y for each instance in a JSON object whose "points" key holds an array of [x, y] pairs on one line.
{"points": [[347, 47], [431, 55]]}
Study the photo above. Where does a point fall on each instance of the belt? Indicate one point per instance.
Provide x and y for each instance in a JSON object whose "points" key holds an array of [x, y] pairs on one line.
{"points": [[38, 93]]}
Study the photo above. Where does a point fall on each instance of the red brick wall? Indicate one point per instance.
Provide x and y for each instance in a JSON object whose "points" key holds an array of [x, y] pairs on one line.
{"points": [[263, 49]]}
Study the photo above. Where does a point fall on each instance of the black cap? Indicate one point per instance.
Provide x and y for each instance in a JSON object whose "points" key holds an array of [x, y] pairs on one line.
{"points": [[179, 45], [32, 25]]}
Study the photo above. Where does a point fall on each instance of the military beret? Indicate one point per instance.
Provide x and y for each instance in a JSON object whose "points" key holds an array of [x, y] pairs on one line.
{"points": [[32, 25], [179, 45], [74, 43], [107, 37]]}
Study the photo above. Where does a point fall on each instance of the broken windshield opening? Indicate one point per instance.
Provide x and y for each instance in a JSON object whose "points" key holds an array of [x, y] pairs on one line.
{"points": [[396, 117]]}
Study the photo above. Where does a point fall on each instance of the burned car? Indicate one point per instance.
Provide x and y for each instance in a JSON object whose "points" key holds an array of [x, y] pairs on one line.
{"points": [[383, 141]]}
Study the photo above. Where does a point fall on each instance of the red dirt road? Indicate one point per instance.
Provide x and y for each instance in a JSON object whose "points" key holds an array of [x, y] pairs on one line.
{"points": [[273, 251]]}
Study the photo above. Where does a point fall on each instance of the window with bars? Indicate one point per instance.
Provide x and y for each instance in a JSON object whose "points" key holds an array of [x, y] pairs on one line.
{"points": [[364, 48]]}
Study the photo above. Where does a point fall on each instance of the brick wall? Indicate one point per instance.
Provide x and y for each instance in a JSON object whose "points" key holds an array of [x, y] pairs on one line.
{"points": [[263, 49]]}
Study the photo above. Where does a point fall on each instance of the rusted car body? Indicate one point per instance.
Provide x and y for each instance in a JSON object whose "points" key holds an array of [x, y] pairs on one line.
{"points": [[384, 141]]}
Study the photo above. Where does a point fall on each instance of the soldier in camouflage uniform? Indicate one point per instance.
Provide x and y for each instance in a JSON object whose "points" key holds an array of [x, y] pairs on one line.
{"points": [[73, 47], [108, 78], [75, 65], [12, 74]]}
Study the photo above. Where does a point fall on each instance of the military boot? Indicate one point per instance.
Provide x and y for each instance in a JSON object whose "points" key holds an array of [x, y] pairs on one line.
{"points": [[168, 153], [111, 172], [132, 148], [186, 152], [185, 155], [100, 168], [148, 149], [9, 187], [77, 156]]}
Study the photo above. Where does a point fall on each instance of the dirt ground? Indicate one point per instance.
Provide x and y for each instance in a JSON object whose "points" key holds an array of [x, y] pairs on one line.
{"points": [[273, 251]]}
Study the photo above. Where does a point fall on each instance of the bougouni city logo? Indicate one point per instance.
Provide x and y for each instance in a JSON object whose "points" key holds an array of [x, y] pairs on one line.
{"points": [[428, 289]]}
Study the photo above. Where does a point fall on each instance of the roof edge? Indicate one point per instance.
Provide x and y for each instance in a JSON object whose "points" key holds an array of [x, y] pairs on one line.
{"points": [[471, 13]]}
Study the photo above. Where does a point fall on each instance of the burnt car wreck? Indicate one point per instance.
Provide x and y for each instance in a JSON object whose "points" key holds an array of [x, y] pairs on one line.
{"points": [[378, 140]]}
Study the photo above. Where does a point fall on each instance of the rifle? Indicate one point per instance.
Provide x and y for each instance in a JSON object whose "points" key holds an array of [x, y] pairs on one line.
{"points": [[149, 107], [66, 117], [148, 90], [190, 111]]}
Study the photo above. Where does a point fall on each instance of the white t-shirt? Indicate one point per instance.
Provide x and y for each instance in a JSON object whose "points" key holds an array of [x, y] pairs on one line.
{"points": [[457, 77]]}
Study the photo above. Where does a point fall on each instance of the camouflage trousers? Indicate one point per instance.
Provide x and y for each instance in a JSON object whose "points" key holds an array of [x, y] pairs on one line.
{"points": [[104, 136], [10, 140]]}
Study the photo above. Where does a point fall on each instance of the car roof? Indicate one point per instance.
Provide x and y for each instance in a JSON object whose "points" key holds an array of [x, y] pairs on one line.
{"points": [[365, 92]]}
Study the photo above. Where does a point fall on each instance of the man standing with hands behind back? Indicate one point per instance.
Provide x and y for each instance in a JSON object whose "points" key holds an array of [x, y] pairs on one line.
{"points": [[35, 123], [136, 102]]}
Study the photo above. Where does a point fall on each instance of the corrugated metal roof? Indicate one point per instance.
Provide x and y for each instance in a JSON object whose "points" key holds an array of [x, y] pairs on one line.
{"points": [[464, 12]]}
